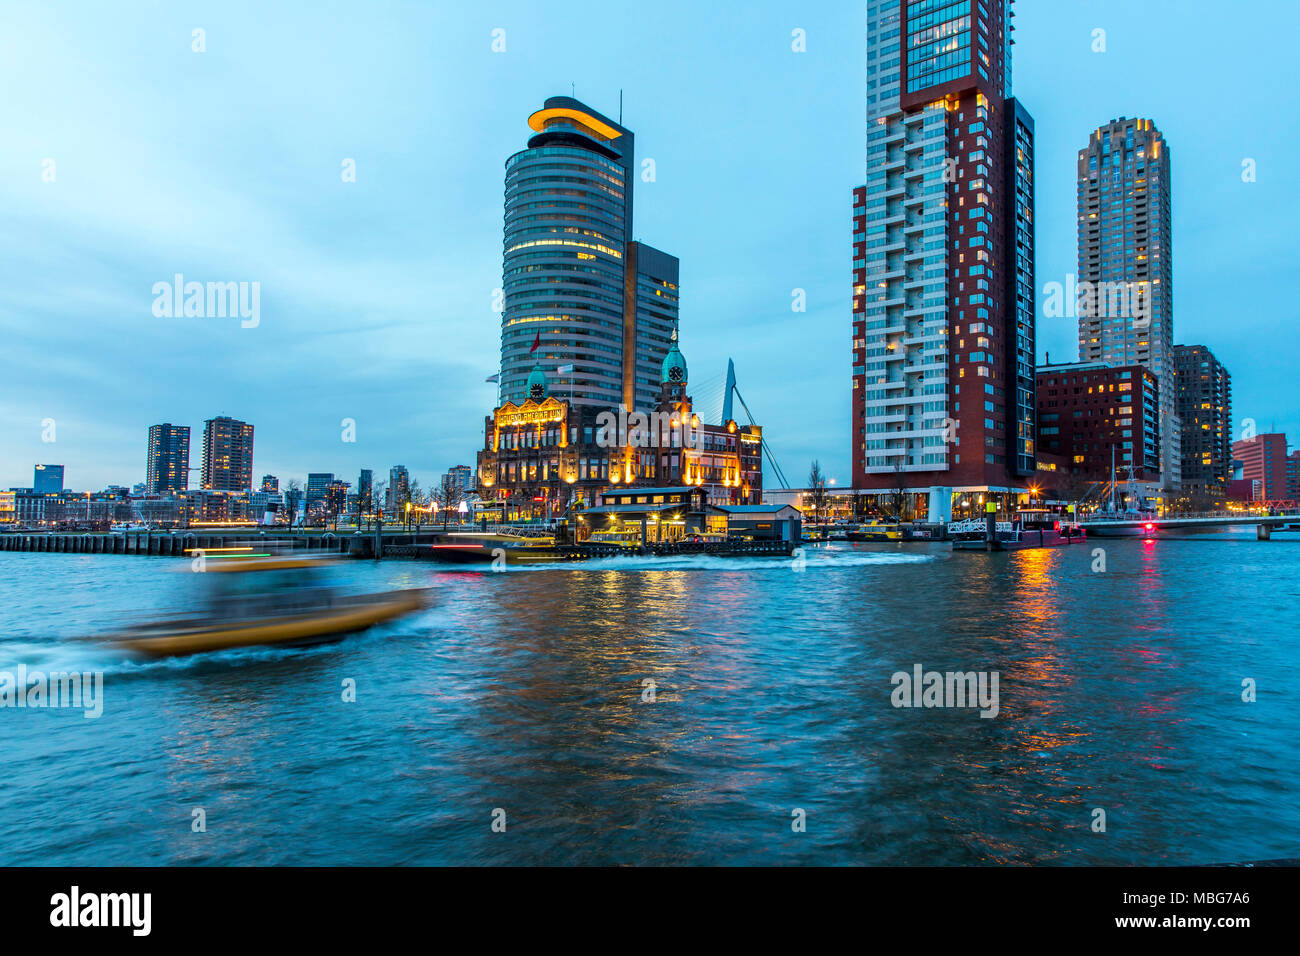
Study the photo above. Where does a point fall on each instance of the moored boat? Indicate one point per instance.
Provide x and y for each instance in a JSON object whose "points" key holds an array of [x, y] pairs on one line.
{"points": [[1032, 528]]}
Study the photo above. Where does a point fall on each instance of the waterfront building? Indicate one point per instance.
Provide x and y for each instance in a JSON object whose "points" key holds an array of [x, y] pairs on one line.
{"points": [[1263, 465], [1204, 409], [8, 507], [725, 459], [582, 300], [764, 522], [1293, 476], [638, 516], [200, 506], [47, 479], [943, 319], [1088, 409], [1126, 305], [270, 483], [227, 455], [167, 465], [547, 454]]}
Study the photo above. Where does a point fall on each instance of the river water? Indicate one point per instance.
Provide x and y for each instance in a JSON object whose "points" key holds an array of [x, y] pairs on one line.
{"points": [[768, 736]]}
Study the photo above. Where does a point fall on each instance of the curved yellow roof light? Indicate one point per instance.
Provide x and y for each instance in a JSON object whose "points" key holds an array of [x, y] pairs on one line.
{"points": [[539, 119]]}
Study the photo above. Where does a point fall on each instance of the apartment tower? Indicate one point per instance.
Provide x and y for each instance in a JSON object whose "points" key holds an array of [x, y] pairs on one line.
{"points": [[943, 339], [1203, 404], [1126, 315], [167, 465], [227, 455]]}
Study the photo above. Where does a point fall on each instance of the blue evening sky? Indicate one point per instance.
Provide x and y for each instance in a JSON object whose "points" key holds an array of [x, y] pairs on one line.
{"points": [[376, 296]]}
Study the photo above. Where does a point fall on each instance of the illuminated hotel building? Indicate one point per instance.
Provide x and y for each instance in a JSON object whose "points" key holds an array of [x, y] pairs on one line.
{"points": [[167, 468], [545, 454], [943, 320], [595, 303], [227, 455], [1126, 242]]}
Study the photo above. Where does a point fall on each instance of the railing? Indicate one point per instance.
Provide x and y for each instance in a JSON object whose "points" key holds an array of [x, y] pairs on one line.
{"points": [[976, 526]]}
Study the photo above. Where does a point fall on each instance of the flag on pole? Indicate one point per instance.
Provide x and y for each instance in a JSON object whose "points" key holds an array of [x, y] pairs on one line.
{"points": [[537, 343], [564, 370], [493, 378]]}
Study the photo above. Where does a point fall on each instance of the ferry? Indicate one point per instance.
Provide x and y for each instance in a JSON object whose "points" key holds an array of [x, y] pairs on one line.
{"points": [[266, 600]]}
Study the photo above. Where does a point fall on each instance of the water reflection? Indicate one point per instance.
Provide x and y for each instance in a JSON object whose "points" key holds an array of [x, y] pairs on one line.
{"points": [[526, 691]]}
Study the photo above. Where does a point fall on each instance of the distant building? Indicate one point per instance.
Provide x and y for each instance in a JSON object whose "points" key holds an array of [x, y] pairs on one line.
{"points": [[1086, 409], [227, 455], [365, 490], [47, 479], [460, 479], [270, 483], [1204, 408], [318, 491], [399, 488], [167, 465], [1293, 476], [336, 498], [1264, 464]]}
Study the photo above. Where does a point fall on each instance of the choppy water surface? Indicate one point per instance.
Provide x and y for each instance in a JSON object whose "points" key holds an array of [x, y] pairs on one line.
{"points": [[524, 691]]}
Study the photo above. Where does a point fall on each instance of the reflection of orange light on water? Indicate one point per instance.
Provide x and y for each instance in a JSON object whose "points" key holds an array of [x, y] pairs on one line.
{"points": [[1037, 585]]}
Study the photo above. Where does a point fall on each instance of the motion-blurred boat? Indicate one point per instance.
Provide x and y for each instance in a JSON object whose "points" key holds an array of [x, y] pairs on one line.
{"points": [[267, 600]]}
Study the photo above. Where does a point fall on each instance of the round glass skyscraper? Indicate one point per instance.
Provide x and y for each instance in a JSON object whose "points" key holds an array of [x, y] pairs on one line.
{"points": [[568, 203]]}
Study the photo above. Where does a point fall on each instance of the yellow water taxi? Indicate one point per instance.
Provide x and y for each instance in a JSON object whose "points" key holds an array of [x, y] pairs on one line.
{"points": [[267, 601], [877, 530]]}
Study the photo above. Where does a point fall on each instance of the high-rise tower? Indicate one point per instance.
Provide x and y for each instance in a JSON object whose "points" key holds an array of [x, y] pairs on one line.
{"points": [[227, 455], [944, 257], [1203, 403], [1126, 259], [580, 295], [167, 467]]}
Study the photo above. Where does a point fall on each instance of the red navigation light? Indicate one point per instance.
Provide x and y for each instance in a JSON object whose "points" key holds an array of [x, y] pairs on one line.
{"points": [[1149, 526], [1056, 526]]}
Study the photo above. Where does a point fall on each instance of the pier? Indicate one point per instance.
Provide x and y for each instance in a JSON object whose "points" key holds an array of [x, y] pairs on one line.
{"points": [[1264, 525], [364, 544]]}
